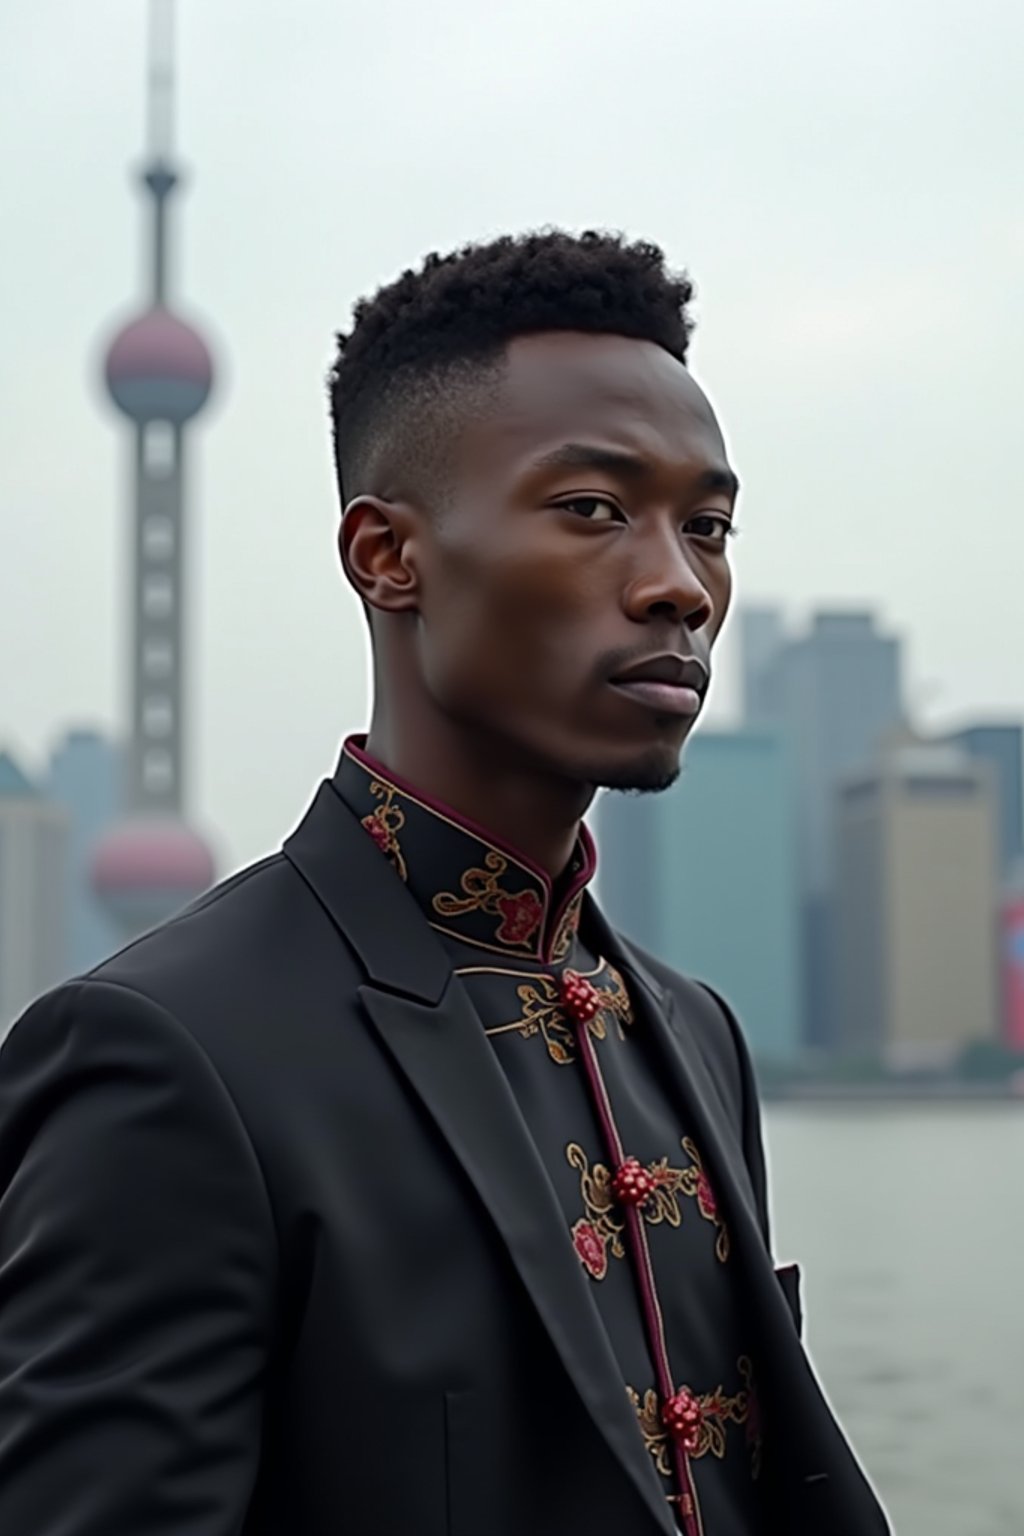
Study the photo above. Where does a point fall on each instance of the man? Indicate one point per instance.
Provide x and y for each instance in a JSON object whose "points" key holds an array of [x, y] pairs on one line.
{"points": [[388, 1191]]}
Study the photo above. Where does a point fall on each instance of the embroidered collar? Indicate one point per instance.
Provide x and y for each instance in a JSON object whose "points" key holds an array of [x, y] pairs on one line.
{"points": [[471, 885]]}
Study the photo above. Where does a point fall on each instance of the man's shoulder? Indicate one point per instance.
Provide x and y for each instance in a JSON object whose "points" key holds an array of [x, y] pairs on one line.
{"points": [[242, 980], [238, 966], [239, 925]]}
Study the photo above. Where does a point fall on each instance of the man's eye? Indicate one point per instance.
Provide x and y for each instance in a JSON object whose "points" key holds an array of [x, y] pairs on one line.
{"points": [[595, 509], [712, 526]]}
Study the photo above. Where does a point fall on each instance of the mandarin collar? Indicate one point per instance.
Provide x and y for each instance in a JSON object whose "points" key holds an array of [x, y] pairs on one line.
{"points": [[470, 884]]}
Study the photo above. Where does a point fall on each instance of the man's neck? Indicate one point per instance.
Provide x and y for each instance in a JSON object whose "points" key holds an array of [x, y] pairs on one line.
{"points": [[536, 813]]}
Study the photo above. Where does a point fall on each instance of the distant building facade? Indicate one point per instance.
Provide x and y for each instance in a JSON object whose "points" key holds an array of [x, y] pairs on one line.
{"points": [[705, 876], [1002, 747], [1012, 942], [33, 878], [834, 693], [916, 907], [85, 778]]}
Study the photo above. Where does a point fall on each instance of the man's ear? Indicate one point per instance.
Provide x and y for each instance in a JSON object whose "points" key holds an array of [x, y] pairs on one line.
{"points": [[377, 542]]}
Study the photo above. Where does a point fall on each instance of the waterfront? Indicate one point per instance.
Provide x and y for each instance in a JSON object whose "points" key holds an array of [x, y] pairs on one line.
{"points": [[908, 1222]]}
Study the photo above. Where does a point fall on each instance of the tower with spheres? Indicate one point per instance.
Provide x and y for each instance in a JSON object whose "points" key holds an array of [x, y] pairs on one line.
{"points": [[159, 374]]}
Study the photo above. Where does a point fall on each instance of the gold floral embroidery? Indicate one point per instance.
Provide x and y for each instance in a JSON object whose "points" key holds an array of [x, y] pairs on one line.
{"points": [[615, 999], [699, 1185], [540, 998], [521, 912], [599, 1230], [718, 1411], [542, 1011], [568, 927], [602, 1227], [385, 822]]}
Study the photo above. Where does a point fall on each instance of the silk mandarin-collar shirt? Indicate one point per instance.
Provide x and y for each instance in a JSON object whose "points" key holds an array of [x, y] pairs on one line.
{"points": [[660, 1268]]}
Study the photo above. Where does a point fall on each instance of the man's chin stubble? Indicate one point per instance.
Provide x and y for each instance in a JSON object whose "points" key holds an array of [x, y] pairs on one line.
{"points": [[646, 776]]}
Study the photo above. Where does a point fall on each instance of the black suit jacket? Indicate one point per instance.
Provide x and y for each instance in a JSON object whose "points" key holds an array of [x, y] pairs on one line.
{"points": [[278, 1256]]}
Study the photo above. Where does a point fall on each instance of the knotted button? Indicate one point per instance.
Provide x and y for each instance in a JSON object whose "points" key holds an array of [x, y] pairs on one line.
{"points": [[681, 1415], [580, 998], [632, 1183]]}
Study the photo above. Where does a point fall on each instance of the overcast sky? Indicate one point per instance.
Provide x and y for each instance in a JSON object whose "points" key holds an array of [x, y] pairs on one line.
{"points": [[843, 181]]}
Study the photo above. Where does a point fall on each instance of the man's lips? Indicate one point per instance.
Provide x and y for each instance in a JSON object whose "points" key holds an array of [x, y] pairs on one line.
{"points": [[663, 698], [669, 683]]}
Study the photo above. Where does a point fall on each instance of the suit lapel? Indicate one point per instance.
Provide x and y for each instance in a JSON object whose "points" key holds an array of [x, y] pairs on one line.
{"points": [[427, 1023]]}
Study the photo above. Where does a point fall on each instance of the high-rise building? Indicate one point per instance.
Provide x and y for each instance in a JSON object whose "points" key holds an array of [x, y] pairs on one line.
{"points": [[834, 693], [159, 374], [705, 876], [1002, 747], [762, 639], [1012, 942], [33, 860], [917, 903], [630, 832], [85, 779]]}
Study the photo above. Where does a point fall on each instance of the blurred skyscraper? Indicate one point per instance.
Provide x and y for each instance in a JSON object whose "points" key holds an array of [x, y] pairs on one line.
{"points": [[1011, 935], [1001, 747], [33, 878], [762, 637], [85, 779], [834, 694], [632, 835], [917, 902], [705, 876]]}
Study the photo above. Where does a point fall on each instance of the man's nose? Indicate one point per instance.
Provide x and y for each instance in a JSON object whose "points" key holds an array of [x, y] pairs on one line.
{"points": [[668, 587]]}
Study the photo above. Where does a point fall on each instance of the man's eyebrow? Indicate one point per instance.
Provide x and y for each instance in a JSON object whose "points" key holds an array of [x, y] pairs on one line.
{"points": [[719, 480], [619, 461], [614, 461]]}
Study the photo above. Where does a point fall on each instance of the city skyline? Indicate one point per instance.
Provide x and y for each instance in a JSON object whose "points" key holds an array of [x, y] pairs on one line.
{"points": [[860, 320]]}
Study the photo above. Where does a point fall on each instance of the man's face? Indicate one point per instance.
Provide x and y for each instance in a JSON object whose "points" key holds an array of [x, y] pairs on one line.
{"points": [[585, 536]]}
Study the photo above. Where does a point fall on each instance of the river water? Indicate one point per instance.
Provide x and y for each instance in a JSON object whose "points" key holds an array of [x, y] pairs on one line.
{"points": [[908, 1223]]}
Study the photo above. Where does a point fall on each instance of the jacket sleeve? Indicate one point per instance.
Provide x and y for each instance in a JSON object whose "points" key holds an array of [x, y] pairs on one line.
{"points": [[137, 1268]]}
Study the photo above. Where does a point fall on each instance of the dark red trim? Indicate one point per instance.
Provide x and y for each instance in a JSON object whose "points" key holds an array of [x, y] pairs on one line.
{"points": [[582, 880], [641, 1255]]}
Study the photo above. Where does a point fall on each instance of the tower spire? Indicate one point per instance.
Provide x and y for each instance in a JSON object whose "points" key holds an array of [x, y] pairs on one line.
{"points": [[159, 174], [160, 91]]}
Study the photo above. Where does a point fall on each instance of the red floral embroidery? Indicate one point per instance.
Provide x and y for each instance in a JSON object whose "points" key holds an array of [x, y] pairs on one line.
{"points": [[377, 831], [657, 1190], [701, 1420], [385, 822], [521, 914], [604, 1218], [590, 1247], [706, 1198]]}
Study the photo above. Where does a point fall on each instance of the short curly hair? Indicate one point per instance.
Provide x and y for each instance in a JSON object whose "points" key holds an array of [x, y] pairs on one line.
{"points": [[429, 346]]}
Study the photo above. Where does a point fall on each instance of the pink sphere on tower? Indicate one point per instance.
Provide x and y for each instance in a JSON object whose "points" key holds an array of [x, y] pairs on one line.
{"points": [[144, 870], [159, 368]]}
